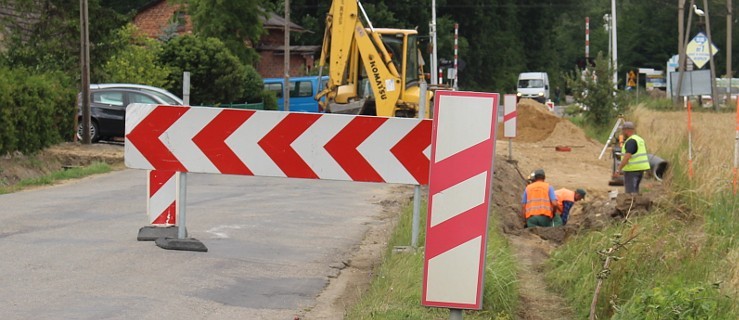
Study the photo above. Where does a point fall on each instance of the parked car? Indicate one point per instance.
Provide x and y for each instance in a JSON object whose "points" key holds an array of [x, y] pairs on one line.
{"points": [[302, 91], [108, 107]]}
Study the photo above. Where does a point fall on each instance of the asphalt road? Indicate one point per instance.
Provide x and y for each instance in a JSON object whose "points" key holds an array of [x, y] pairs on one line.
{"points": [[70, 251]]}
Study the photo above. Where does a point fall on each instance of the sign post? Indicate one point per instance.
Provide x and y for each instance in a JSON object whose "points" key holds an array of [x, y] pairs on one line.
{"points": [[736, 149], [415, 224], [461, 172], [690, 139]]}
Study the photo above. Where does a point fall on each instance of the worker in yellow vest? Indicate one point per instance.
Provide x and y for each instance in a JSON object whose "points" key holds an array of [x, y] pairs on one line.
{"points": [[634, 159], [566, 198], [539, 202]]}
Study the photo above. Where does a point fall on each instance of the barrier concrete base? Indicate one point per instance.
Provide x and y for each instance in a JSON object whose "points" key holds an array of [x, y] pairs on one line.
{"points": [[188, 244], [150, 233]]}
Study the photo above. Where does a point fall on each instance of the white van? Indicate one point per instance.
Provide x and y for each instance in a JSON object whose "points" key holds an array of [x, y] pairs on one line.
{"points": [[533, 85]]}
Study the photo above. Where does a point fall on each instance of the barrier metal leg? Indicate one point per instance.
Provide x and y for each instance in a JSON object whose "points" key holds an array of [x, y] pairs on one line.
{"points": [[455, 314], [416, 215], [181, 242]]}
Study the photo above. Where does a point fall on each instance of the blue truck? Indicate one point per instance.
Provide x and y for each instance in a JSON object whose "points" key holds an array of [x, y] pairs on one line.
{"points": [[302, 91]]}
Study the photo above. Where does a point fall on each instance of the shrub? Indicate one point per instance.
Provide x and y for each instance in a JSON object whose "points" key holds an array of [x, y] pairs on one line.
{"points": [[36, 110], [270, 100], [216, 75], [253, 85]]}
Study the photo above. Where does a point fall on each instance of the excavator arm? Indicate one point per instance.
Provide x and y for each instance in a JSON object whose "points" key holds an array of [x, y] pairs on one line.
{"points": [[346, 41]]}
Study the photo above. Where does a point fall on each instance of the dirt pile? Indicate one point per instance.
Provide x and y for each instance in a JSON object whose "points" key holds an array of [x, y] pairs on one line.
{"points": [[535, 123]]}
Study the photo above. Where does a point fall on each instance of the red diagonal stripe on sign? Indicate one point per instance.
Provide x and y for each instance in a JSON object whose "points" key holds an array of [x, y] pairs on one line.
{"points": [[409, 151], [458, 169], [343, 148], [455, 231], [157, 179], [276, 144], [145, 137], [510, 115], [212, 141], [168, 216]]}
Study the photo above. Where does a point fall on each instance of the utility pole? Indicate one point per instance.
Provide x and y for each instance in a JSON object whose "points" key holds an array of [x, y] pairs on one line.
{"points": [[680, 48], [729, 75], [710, 54], [286, 85], [683, 45], [85, 63], [434, 58], [615, 45]]}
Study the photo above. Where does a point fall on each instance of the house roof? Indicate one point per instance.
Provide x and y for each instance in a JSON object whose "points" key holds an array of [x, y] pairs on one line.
{"points": [[277, 22], [271, 21], [294, 49]]}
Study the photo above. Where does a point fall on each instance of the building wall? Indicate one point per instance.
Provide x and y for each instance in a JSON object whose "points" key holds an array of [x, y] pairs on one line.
{"points": [[156, 18], [271, 64]]}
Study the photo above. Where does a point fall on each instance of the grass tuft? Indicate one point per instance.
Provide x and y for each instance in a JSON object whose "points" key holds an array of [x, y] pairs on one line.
{"points": [[395, 292], [56, 176]]}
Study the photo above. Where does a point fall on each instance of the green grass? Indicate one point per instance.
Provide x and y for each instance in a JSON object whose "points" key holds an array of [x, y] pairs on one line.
{"points": [[682, 264], [72, 173], [670, 258], [395, 292]]}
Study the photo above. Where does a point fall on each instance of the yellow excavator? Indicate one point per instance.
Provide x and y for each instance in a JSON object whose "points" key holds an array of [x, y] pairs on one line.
{"points": [[387, 83]]}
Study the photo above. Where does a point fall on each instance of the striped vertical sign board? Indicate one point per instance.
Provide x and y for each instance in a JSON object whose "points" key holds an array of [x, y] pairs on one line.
{"points": [[161, 205], [461, 172]]}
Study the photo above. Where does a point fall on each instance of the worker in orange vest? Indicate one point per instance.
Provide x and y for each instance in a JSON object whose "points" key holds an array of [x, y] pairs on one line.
{"points": [[566, 199], [539, 202]]}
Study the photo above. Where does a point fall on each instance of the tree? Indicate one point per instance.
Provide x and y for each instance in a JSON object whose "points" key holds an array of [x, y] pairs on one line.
{"points": [[52, 43], [137, 61], [593, 88], [235, 23], [217, 76]]}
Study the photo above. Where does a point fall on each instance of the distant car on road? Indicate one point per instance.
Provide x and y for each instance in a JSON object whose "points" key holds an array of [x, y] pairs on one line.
{"points": [[108, 107]]}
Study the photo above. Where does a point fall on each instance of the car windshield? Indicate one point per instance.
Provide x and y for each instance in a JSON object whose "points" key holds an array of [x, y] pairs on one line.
{"points": [[531, 83], [167, 99]]}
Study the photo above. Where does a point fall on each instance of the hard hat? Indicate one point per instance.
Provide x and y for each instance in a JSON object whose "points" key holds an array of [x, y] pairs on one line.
{"points": [[539, 173]]}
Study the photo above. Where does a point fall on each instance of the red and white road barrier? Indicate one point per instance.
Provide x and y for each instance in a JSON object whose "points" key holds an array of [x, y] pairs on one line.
{"points": [[550, 106], [456, 56], [587, 40], [161, 205], [509, 116], [462, 152], [279, 144]]}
